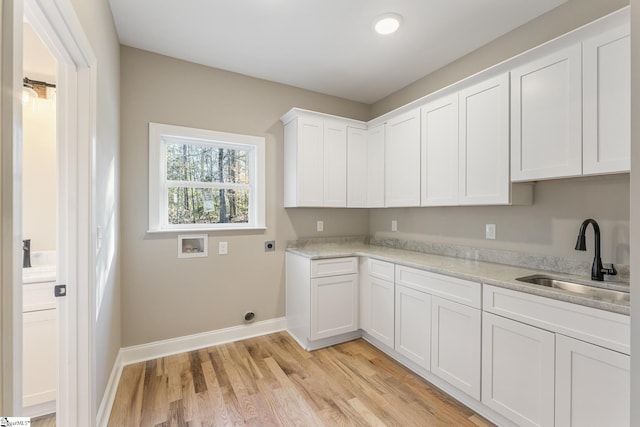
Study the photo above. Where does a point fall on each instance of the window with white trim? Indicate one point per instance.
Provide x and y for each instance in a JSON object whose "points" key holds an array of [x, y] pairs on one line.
{"points": [[205, 180]]}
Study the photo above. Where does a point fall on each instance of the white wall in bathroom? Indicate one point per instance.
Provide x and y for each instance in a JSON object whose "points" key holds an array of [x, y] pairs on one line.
{"points": [[39, 174]]}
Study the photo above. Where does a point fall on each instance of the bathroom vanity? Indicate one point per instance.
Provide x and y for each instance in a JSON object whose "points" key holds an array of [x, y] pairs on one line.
{"points": [[39, 340]]}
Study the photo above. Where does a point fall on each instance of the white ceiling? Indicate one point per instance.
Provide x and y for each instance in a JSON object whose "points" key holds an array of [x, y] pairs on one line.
{"points": [[326, 46]]}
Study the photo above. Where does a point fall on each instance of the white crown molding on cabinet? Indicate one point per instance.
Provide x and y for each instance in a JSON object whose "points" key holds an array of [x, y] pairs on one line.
{"points": [[619, 17]]}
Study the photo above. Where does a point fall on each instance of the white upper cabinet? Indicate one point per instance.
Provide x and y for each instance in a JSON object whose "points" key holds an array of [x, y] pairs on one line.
{"points": [[440, 152], [546, 116], [607, 102], [356, 167], [375, 167], [315, 160], [402, 160], [484, 143], [304, 166], [335, 164], [560, 110]]}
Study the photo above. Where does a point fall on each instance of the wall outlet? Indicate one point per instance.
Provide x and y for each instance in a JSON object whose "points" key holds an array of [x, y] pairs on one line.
{"points": [[490, 231], [320, 226], [223, 248], [394, 225], [270, 246]]}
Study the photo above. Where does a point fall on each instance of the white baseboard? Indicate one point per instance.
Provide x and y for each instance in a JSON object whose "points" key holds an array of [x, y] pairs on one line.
{"points": [[141, 353], [154, 350], [104, 411], [39, 409]]}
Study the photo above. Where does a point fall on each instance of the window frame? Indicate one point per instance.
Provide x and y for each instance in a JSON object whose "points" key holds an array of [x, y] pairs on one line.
{"points": [[158, 183]]}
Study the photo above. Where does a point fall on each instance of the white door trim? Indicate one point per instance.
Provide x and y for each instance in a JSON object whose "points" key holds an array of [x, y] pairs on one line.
{"points": [[57, 24], [10, 203]]}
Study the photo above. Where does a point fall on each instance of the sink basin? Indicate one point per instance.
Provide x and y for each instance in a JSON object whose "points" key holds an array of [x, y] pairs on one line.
{"points": [[608, 295]]}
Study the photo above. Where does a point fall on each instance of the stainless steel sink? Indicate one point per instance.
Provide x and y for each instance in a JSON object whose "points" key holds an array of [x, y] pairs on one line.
{"points": [[609, 295]]}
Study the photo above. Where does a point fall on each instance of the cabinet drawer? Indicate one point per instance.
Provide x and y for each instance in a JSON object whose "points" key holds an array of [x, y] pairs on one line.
{"points": [[38, 296], [333, 267], [603, 328], [381, 269], [458, 290]]}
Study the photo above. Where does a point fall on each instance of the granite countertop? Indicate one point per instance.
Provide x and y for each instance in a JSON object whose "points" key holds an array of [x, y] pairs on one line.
{"points": [[489, 273]]}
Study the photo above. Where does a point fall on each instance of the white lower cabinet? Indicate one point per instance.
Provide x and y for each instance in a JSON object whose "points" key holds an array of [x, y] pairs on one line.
{"points": [[455, 344], [321, 300], [532, 360], [40, 366], [438, 326], [334, 306], [39, 349], [377, 300], [413, 325], [381, 310], [518, 369], [592, 385]]}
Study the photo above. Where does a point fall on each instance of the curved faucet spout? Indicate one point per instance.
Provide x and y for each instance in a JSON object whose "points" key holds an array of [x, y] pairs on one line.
{"points": [[597, 271]]}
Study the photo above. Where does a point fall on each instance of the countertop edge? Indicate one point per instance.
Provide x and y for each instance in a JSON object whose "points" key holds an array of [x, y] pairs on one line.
{"points": [[465, 269]]}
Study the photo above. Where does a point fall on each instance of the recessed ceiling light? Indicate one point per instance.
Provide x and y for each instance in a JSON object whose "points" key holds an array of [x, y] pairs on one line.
{"points": [[387, 23]]}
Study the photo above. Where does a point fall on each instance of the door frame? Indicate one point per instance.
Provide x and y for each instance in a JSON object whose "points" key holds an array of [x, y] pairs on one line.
{"points": [[58, 26]]}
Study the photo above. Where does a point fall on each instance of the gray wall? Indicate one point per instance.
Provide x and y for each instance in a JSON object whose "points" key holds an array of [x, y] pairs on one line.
{"points": [[548, 227], [157, 288], [551, 224], [165, 297], [96, 20]]}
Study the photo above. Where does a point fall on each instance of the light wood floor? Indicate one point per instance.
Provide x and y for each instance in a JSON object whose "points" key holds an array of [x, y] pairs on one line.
{"points": [[271, 381], [45, 421]]}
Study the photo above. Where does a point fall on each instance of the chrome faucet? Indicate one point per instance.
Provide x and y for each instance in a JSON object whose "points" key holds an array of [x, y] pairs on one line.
{"points": [[597, 270], [26, 253]]}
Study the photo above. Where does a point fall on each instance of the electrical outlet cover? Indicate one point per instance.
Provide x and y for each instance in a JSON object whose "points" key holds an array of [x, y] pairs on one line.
{"points": [[490, 231]]}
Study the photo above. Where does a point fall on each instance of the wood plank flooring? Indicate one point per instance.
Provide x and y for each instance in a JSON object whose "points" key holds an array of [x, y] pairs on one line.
{"points": [[271, 381], [44, 421]]}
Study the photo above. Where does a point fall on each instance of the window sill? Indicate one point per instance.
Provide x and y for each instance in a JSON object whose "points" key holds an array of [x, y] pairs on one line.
{"points": [[206, 230]]}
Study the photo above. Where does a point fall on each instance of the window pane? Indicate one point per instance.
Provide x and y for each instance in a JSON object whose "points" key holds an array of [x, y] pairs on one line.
{"points": [[201, 163], [208, 206]]}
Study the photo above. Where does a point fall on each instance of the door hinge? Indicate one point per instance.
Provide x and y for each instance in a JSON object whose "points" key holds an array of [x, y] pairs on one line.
{"points": [[60, 290]]}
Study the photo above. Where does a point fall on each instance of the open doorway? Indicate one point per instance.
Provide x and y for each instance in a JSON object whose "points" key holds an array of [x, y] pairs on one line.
{"points": [[56, 25], [39, 228]]}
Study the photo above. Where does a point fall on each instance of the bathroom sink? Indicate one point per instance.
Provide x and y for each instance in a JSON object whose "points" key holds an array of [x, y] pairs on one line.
{"points": [[602, 294]]}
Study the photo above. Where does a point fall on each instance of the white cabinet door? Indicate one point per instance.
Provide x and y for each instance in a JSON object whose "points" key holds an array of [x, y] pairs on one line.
{"points": [[484, 143], [334, 306], [592, 385], [381, 310], [455, 344], [546, 117], [413, 325], [375, 167], [518, 364], [304, 163], [335, 164], [402, 160], [365, 298], [607, 102], [356, 168], [440, 152], [39, 338]]}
